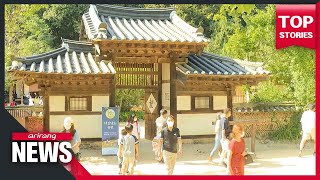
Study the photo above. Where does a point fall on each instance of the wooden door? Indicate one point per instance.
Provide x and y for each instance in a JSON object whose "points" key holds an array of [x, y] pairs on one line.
{"points": [[151, 113]]}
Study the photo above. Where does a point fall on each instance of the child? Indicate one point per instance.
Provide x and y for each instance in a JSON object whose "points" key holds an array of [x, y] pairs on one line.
{"points": [[133, 120], [123, 133], [129, 150], [237, 152]]}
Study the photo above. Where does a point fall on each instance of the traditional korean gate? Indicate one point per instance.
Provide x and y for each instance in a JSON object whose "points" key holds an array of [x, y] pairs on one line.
{"points": [[142, 76]]}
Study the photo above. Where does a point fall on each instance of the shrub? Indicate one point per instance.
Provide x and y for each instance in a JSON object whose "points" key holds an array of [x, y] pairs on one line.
{"points": [[291, 131], [124, 115]]}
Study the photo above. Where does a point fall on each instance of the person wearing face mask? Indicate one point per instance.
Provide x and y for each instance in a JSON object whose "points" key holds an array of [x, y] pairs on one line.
{"points": [[171, 143], [68, 127], [160, 124], [161, 121], [133, 120]]}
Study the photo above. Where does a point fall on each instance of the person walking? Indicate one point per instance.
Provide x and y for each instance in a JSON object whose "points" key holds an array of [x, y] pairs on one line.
{"points": [[120, 159], [129, 150], [160, 124], [218, 134], [171, 143], [236, 152], [68, 127], [308, 123], [225, 134], [133, 120], [161, 121]]}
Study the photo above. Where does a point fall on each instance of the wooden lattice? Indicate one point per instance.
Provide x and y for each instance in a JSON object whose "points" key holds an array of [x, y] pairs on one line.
{"points": [[268, 121]]}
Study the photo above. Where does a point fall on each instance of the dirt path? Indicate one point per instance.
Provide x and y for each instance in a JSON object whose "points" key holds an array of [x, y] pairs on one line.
{"points": [[272, 159]]}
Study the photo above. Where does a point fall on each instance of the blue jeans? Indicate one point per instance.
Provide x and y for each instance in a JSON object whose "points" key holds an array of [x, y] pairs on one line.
{"points": [[216, 145]]}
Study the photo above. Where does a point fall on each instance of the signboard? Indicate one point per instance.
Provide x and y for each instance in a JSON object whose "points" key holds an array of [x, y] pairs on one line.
{"points": [[110, 130]]}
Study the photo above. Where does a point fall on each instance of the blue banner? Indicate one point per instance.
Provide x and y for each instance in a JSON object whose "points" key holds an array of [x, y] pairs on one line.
{"points": [[110, 130]]}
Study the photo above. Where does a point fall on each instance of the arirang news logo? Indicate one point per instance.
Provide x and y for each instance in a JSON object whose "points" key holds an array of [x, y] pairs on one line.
{"points": [[295, 25], [41, 147]]}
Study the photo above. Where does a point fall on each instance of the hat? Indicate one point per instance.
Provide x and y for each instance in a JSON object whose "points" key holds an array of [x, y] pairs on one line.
{"points": [[68, 121]]}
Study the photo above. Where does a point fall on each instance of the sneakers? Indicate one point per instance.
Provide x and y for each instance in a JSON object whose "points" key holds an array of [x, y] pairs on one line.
{"points": [[210, 159]]}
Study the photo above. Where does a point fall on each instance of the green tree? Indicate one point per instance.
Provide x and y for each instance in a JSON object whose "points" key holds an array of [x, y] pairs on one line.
{"points": [[127, 98], [64, 21], [293, 67]]}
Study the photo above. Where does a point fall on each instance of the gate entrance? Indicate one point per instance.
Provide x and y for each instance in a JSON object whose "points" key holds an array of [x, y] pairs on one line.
{"points": [[142, 76]]}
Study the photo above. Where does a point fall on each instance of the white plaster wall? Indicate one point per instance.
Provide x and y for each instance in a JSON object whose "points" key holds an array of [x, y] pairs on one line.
{"points": [[88, 126], [56, 103], [196, 124], [165, 71], [219, 102], [99, 101], [26, 89], [183, 102], [166, 94]]}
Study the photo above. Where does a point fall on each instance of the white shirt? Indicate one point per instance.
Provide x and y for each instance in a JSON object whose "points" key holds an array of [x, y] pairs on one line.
{"points": [[308, 121], [160, 122]]}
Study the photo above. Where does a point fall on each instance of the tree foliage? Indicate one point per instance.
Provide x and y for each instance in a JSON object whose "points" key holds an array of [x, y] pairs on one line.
{"points": [[293, 67]]}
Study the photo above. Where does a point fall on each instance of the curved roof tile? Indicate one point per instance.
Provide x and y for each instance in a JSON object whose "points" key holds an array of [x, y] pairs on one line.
{"points": [[126, 23], [73, 57], [208, 63]]}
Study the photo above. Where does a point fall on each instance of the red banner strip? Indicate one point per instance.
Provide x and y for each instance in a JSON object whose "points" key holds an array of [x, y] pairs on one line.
{"points": [[16, 136]]}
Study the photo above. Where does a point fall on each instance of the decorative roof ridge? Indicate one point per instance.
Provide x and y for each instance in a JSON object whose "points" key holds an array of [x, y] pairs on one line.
{"points": [[70, 41], [77, 46], [223, 58], [38, 58], [131, 12], [116, 7]]}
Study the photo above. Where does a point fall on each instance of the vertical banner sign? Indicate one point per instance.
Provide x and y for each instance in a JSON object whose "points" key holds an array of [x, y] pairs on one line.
{"points": [[110, 130], [296, 25]]}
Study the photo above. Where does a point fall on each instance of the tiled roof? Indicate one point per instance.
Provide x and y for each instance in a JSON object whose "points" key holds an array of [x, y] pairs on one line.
{"points": [[211, 64], [124, 23], [72, 58], [264, 108]]}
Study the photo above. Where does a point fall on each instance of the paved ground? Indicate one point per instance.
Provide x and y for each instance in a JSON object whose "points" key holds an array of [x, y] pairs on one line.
{"points": [[272, 159]]}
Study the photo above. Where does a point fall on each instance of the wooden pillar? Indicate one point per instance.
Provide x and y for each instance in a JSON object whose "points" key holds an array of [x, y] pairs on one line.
{"points": [[229, 100], [159, 87], [112, 92], [173, 91], [46, 111]]}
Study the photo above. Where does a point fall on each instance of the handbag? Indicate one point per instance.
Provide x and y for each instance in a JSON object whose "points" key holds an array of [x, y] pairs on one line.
{"points": [[248, 159]]}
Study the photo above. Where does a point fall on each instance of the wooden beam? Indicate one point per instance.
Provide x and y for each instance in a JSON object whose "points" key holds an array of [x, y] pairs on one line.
{"points": [[112, 93], [135, 87], [46, 112], [201, 93], [135, 59], [76, 113], [177, 60], [173, 92], [159, 87], [138, 72], [229, 100]]}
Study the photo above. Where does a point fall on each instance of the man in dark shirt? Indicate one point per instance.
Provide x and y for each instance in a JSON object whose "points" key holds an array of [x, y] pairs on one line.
{"points": [[226, 130], [169, 140]]}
